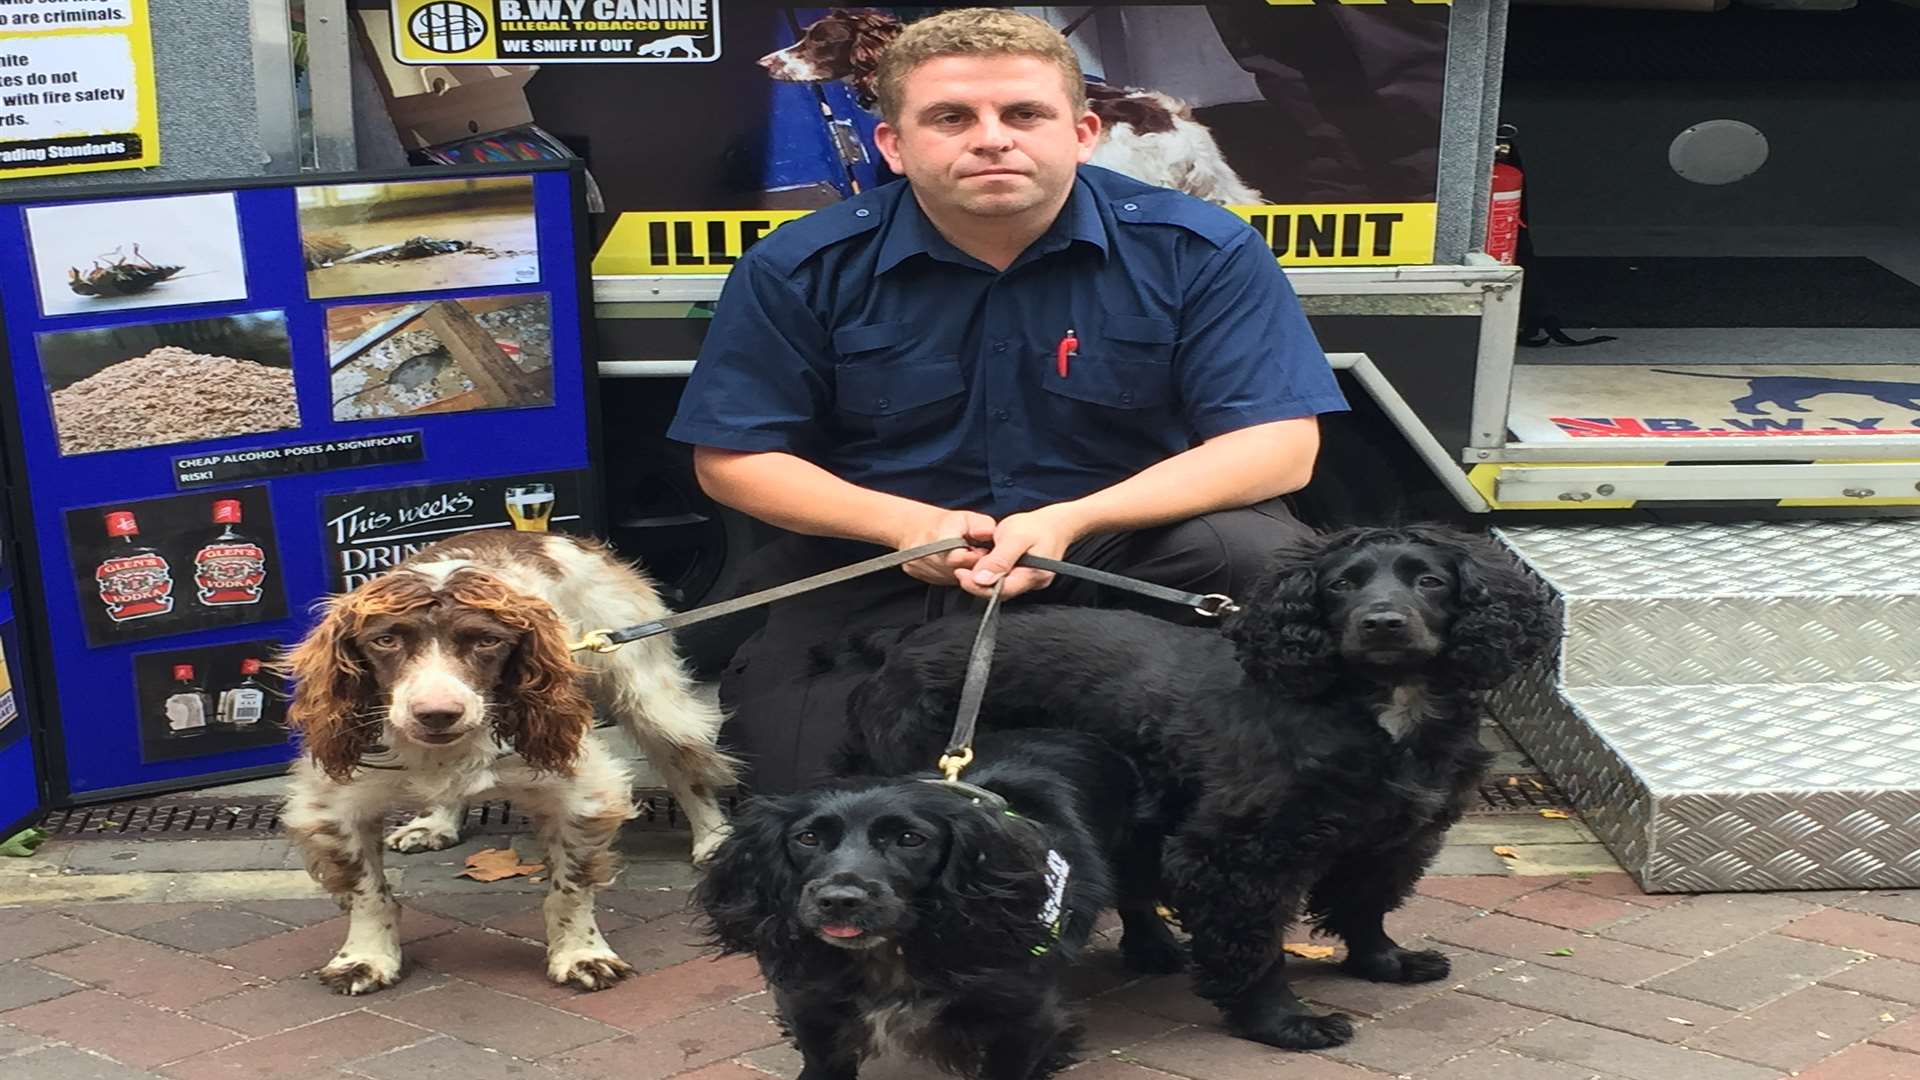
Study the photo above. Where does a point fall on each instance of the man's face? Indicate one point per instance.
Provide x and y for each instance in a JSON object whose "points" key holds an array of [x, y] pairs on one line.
{"points": [[989, 136]]}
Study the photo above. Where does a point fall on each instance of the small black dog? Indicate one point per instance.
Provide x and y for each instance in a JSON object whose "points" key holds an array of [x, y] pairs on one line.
{"points": [[899, 912], [1309, 756]]}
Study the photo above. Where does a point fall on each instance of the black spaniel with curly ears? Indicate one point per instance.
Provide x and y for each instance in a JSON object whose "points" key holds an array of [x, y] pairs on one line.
{"points": [[898, 913], [1307, 758]]}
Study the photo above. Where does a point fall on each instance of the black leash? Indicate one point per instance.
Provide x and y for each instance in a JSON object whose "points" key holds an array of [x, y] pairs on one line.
{"points": [[1211, 605], [605, 641], [973, 690]]}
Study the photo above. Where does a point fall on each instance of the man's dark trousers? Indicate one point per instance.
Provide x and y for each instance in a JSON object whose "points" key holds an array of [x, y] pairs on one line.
{"points": [[788, 718]]}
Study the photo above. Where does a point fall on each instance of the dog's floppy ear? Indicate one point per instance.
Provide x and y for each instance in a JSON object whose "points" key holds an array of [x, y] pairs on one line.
{"points": [[989, 894], [749, 895], [872, 33], [1280, 632], [1505, 614], [334, 692]]}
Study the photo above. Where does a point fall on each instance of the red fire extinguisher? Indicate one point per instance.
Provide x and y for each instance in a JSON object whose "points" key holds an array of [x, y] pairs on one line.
{"points": [[1503, 215]]}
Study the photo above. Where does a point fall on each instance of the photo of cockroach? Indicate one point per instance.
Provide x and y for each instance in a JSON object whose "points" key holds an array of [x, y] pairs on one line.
{"points": [[123, 276], [111, 255]]}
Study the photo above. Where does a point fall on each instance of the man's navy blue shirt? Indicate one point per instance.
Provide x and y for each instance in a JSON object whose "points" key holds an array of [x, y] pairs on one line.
{"points": [[860, 339]]}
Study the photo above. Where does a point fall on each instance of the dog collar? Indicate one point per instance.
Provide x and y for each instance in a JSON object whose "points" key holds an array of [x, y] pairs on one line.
{"points": [[979, 796], [1053, 912]]}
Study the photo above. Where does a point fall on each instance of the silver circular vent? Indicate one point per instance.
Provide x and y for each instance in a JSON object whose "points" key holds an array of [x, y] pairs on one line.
{"points": [[1718, 152]]}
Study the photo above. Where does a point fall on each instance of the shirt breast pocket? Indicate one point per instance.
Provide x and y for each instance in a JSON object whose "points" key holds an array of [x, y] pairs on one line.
{"points": [[888, 391], [1127, 365]]}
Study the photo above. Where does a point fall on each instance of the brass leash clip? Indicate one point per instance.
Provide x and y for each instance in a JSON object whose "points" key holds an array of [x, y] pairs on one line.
{"points": [[600, 641]]}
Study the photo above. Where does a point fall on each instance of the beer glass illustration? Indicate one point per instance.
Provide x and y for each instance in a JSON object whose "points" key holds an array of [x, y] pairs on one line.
{"points": [[530, 505]]}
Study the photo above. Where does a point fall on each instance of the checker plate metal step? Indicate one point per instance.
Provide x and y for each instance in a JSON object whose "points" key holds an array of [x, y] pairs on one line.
{"points": [[1785, 602], [1734, 706]]}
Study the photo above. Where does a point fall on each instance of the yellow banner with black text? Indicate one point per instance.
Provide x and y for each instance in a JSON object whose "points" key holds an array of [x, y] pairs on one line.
{"points": [[647, 243]]}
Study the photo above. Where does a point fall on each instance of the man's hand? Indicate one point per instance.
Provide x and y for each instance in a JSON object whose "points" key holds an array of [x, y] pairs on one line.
{"points": [[948, 567], [1045, 532]]}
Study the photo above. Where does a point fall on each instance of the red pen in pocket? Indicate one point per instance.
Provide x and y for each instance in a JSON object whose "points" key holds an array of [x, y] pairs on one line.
{"points": [[1067, 347]]}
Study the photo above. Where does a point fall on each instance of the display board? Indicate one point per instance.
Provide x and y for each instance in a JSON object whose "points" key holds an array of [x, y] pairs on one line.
{"points": [[1317, 122], [219, 393]]}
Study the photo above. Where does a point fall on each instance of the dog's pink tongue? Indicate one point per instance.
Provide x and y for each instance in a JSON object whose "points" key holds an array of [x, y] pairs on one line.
{"points": [[842, 931]]}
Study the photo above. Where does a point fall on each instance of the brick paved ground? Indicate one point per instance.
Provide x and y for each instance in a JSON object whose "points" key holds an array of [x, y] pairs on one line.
{"points": [[1556, 978], [127, 960]]}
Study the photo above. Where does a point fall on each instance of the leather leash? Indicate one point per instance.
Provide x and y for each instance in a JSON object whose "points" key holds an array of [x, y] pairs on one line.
{"points": [[606, 641], [1211, 605]]}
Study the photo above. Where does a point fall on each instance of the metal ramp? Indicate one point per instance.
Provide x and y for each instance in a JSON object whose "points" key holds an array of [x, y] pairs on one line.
{"points": [[1737, 706]]}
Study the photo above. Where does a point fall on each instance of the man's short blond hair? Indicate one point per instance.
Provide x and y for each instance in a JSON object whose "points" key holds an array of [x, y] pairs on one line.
{"points": [[974, 32]]}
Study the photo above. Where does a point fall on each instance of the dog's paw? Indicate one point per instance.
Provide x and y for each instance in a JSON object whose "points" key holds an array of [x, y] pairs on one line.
{"points": [[422, 834], [1298, 1031], [361, 974], [1400, 966], [705, 846], [587, 969], [1153, 954]]}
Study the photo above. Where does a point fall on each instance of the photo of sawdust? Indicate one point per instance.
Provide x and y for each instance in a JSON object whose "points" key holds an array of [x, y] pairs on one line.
{"points": [[418, 236], [120, 387], [440, 356], [97, 257]]}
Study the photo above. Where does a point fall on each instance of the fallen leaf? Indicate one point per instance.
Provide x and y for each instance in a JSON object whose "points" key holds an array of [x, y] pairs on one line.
{"points": [[1886, 1018], [1506, 853], [493, 864], [1561, 952], [1681, 1020], [1311, 952], [1557, 815], [1823, 1034]]}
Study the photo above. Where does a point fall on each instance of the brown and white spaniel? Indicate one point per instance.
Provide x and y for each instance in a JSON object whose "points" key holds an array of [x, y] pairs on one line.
{"points": [[450, 679], [1144, 134]]}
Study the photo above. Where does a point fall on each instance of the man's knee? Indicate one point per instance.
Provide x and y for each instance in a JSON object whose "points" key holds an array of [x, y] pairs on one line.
{"points": [[1239, 542]]}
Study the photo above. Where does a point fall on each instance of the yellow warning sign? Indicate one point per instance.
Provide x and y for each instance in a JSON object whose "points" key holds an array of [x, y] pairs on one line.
{"points": [[1345, 234], [1338, 234], [556, 31], [76, 88], [685, 242]]}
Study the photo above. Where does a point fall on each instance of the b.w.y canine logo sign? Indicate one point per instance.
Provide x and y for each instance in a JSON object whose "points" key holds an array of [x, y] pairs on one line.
{"points": [[556, 31], [1553, 403]]}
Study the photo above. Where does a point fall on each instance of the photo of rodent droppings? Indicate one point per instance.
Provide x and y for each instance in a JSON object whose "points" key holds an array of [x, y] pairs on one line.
{"points": [[444, 356], [121, 387]]}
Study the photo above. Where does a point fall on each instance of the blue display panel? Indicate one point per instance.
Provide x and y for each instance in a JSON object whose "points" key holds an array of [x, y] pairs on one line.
{"points": [[200, 378]]}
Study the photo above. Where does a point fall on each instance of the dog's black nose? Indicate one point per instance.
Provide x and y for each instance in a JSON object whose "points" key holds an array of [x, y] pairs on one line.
{"points": [[438, 719], [1382, 622], [840, 900]]}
